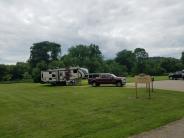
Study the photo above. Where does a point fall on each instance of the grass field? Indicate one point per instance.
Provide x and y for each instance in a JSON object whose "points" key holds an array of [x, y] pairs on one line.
{"points": [[157, 78], [41, 111]]}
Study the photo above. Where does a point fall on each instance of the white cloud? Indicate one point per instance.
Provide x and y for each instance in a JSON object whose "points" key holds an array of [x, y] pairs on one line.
{"points": [[157, 26]]}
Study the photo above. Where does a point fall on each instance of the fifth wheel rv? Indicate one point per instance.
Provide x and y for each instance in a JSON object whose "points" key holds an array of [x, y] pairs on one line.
{"points": [[64, 76]]}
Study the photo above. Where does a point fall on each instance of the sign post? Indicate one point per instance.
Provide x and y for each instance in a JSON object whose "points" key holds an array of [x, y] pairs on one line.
{"points": [[144, 79]]}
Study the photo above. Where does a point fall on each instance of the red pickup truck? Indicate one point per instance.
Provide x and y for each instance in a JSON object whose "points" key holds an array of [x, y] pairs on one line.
{"points": [[96, 79]]}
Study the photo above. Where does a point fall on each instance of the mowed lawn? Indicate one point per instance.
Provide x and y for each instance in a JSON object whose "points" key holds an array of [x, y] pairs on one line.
{"points": [[41, 111], [157, 78]]}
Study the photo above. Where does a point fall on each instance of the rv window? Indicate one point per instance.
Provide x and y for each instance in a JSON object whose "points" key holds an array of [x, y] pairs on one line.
{"points": [[53, 75], [42, 75], [50, 78], [75, 71], [50, 72]]}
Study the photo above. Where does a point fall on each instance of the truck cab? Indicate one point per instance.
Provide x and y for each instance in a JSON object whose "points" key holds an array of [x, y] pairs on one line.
{"points": [[96, 79]]}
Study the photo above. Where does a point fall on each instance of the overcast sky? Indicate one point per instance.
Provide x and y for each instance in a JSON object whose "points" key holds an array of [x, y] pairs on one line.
{"points": [[114, 25]]}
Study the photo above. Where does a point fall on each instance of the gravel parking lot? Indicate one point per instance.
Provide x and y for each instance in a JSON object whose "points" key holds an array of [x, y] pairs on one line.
{"points": [[176, 85]]}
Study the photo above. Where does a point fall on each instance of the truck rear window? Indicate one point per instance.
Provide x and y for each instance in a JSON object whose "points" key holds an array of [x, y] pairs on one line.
{"points": [[93, 75]]}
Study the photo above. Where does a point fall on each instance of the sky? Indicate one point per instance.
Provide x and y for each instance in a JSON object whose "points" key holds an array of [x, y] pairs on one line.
{"points": [[114, 25]]}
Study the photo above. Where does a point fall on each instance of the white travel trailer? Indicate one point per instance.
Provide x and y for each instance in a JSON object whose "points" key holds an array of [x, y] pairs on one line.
{"points": [[64, 76]]}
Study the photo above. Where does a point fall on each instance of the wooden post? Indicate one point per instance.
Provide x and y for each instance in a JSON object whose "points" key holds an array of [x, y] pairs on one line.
{"points": [[149, 92], [136, 90], [146, 79], [152, 80]]}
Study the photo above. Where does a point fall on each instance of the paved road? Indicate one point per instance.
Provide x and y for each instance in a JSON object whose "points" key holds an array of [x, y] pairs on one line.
{"points": [[172, 130], [176, 85]]}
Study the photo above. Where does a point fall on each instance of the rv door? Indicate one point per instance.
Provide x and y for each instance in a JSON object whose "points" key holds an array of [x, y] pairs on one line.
{"points": [[62, 75]]}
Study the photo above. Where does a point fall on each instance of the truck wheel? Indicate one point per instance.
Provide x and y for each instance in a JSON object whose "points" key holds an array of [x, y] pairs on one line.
{"points": [[119, 84], [98, 84], [94, 84]]}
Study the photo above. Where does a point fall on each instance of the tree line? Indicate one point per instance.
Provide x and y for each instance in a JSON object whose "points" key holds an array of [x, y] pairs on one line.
{"points": [[47, 55]]}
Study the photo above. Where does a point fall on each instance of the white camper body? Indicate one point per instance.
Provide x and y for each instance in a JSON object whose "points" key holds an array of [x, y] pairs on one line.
{"points": [[63, 75]]}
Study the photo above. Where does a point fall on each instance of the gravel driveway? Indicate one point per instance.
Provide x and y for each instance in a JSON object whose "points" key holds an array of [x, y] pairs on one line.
{"points": [[176, 85]]}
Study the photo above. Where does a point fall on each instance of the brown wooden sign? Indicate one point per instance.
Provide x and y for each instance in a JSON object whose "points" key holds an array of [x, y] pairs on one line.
{"points": [[144, 79]]}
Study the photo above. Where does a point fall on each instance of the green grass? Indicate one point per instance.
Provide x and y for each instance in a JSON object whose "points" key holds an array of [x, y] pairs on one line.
{"points": [[157, 78], [160, 78], [41, 111], [17, 81]]}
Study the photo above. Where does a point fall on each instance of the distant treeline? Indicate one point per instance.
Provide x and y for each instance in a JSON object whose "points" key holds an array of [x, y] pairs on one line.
{"points": [[47, 55]]}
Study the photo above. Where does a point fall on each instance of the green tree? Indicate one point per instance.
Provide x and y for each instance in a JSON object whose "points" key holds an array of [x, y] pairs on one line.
{"points": [[36, 72], [44, 51], [18, 70], [42, 55], [171, 64], [141, 54], [126, 58], [3, 71], [153, 68], [56, 64], [182, 57], [141, 57], [84, 56], [112, 66]]}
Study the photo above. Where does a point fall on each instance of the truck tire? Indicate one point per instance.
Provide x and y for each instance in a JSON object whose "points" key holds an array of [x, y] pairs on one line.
{"points": [[98, 84], [94, 84], [119, 84]]}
